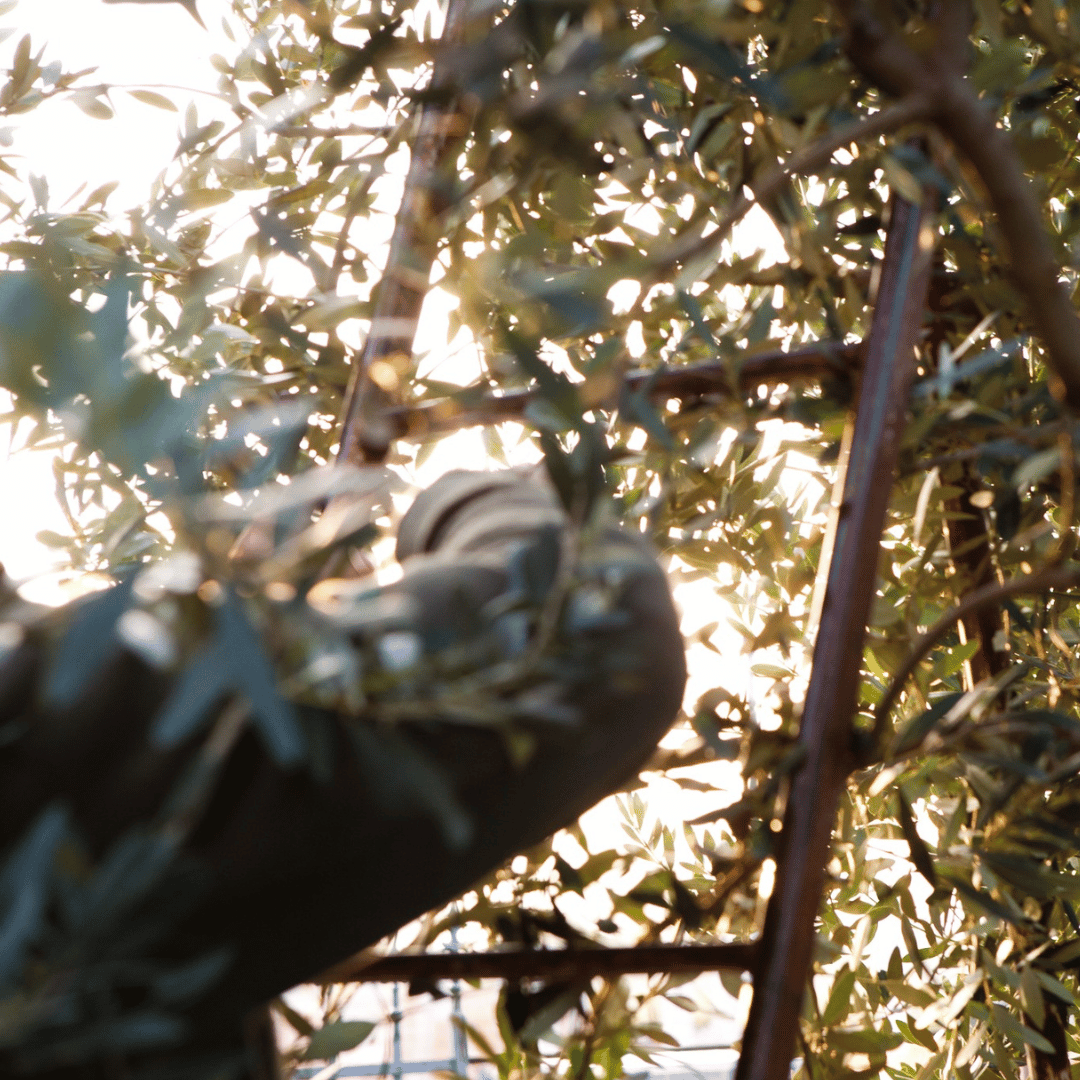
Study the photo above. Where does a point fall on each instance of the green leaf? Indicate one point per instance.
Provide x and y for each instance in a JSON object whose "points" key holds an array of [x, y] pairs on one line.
{"points": [[771, 671], [837, 1006], [915, 1034], [100, 194], [54, 539], [252, 674], [335, 1038], [297, 1020], [24, 890], [92, 105], [89, 641], [919, 852], [20, 64], [950, 661], [1000, 67], [190, 981], [202, 198], [1005, 1022], [949, 1008], [1053, 986], [135, 864], [917, 730], [1031, 995], [864, 1041], [718, 55], [1036, 468], [201, 685], [151, 97]]}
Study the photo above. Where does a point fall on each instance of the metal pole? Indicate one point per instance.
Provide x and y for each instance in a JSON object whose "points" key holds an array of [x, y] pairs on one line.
{"points": [[460, 1062], [396, 1069]]}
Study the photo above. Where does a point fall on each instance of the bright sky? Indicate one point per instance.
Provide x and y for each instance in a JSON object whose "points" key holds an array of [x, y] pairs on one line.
{"points": [[131, 45], [134, 46]]}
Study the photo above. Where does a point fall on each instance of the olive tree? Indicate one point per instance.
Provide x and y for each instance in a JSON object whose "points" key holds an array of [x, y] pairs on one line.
{"points": [[895, 864]]}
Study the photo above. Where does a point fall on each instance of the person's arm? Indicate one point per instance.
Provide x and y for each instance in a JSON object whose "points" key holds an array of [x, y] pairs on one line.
{"points": [[378, 847], [297, 872]]}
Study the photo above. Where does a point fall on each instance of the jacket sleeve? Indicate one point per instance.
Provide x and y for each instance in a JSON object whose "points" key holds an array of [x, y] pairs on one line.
{"points": [[298, 870], [426, 808]]}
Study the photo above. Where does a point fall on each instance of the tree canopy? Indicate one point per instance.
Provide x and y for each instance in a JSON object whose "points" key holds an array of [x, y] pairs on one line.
{"points": [[862, 454]]}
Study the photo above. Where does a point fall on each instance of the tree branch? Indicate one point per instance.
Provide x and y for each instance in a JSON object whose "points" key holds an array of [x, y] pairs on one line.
{"points": [[1033, 268], [365, 432], [712, 378], [552, 965], [1056, 577], [883, 56], [805, 160]]}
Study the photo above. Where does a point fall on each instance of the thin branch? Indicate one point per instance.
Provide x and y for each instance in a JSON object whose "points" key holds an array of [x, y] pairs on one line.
{"points": [[552, 965], [951, 22], [880, 52], [883, 55], [805, 160], [161, 86], [310, 132], [1032, 265], [712, 378], [1057, 577]]}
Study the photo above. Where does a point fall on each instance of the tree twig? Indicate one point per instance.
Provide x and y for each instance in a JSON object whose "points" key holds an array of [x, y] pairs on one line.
{"points": [[880, 53], [1032, 265], [711, 378], [1056, 577], [805, 160], [553, 965]]}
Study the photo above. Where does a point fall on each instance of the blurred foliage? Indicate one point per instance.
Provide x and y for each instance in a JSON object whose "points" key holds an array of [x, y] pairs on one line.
{"points": [[183, 355]]}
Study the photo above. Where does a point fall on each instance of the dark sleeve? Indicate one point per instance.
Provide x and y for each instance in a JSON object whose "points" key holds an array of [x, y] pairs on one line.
{"points": [[300, 872], [614, 686]]}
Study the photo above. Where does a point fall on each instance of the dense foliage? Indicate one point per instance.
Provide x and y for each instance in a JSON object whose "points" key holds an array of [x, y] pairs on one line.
{"points": [[581, 210]]}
